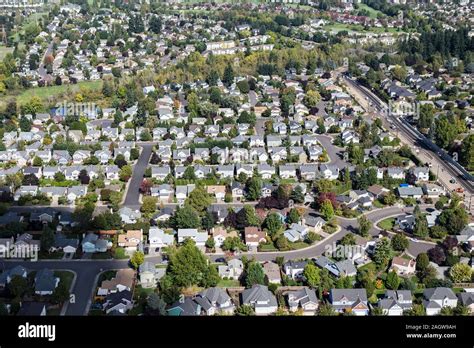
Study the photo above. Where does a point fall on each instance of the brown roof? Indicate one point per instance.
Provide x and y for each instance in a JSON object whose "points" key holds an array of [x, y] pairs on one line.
{"points": [[400, 261], [216, 189], [123, 277], [131, 238], [108, 232], [220, 231], [376, 189], [254, 235]]}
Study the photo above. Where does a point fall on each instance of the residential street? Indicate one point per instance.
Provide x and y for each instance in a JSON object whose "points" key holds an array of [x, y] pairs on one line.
{"points": [[88, 270], [133, 194]]}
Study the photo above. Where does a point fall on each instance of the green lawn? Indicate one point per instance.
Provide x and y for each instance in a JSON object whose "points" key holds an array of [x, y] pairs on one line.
{"points": [[228, 283], [378, 204], [299, 245], [372, 11], [267, 247], [66, 277], [4, 50], [387, 224], [337, 27], [101, 256], [56, 91], [56, 255]]}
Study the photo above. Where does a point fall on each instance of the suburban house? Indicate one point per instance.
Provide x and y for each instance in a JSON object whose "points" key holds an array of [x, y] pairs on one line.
{"points": [[199, 238], [184, 307], [92, 244], [7, 275], [260, 299], [304, 299], [437, 298], [129, 216], [296, 232], [467, 299], [395, 302], [403, 266], [294, 269], [233, 269], [118, 302], [272, 272], [350, 300], [254, 236], [131, 240], [123, 280], [149, 274], [157, 239], [410, 192], [45, 282], [215, 300]]}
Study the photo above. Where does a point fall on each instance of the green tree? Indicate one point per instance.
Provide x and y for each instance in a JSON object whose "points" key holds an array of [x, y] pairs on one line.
{"points": [[186, 217], [348, 239], [453, 219], [383, 252], [189, 174], [422, 261], [137, 259], [293, 216], [228, 77], [208, 221], [326, 310], [37, 162], [125, 173], [156, 304], [389, 199], [61, 293], [25, 124], [364, 225], [393, 280], [149, 204], [467, 152], [273, 223], [254, 274], [399, 242], [417, 310], [199, 199], [377, 311], [311, 274], [311, 99], [254, 188], [47, 238], [421, 226], [297, 195], [18, 286], [244, 310], [461, 273], [327, 209], [251, 217], [188, 266]]}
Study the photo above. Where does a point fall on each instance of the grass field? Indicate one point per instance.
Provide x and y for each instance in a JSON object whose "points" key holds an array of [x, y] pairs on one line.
{"points": [[353, 28], [228, 283], [4, 50], [372, 12], [55, 91]]}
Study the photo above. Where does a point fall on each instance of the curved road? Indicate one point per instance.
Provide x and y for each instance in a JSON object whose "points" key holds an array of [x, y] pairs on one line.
{"points": [[87, 270]]}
